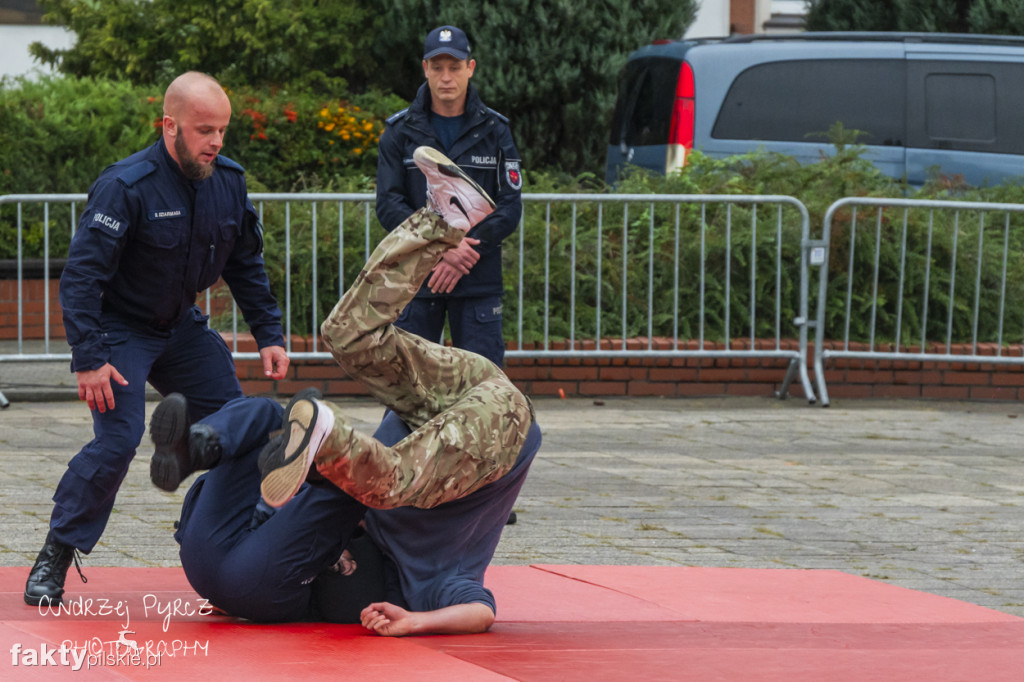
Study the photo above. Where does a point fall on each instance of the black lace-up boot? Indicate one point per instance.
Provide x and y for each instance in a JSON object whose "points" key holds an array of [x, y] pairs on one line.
{"points": [[180, 449], [45, 584]]}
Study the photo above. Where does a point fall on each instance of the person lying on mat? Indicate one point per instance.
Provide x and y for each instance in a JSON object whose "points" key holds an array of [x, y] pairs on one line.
{"points": [[468, 420], [267, 565], [457, 443]]}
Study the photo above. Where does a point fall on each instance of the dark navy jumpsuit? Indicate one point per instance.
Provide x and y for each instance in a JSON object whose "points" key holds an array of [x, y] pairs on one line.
{"points": [[272, 565], [148, 241], [485, 150]]}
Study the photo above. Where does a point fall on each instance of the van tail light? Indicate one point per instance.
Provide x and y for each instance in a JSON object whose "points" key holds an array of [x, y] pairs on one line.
{"points": [[680, 134]]}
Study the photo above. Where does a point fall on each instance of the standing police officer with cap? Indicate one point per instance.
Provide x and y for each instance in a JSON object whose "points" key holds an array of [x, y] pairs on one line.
{"points": [[159, 227], [447, 114]]}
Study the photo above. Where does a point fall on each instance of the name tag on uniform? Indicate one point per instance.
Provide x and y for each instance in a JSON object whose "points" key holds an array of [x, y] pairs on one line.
{"points": [[165, 213]]}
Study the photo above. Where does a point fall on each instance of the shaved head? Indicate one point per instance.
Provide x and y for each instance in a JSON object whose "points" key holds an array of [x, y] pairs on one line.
{"points": [[196, 115], [188, 87]]}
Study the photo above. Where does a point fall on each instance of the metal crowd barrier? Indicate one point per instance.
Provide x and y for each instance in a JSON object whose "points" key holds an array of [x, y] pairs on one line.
{"points": [[44, 223], [611, 276], [930, 278], [710, 278]]}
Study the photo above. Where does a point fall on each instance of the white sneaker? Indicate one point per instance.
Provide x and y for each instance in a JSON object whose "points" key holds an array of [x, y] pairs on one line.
{"points": [[451, 193], [286, 460]]}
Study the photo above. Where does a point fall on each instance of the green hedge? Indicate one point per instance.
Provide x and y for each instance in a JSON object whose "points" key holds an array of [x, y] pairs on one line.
{"points": [[551, 309], [817, 186], [57, 134]]}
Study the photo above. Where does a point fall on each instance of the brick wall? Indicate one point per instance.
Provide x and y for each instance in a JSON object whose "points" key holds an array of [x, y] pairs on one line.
{"points": [[855, 378], [33, 292], [596, 377], [743, 16], [691, 377], [33, 310]]}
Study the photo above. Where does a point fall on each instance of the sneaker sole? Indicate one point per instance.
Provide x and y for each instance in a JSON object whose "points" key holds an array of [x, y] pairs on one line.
{"points": [[308, 426], [446, 166], [168, 425]]}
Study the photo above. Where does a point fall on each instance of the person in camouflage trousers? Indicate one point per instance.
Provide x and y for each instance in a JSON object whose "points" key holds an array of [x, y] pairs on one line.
{"points": [[468, 420]]}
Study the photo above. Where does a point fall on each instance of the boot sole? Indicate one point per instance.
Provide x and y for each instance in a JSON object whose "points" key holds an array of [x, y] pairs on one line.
{"points": [[308, 425], [168, 426]]}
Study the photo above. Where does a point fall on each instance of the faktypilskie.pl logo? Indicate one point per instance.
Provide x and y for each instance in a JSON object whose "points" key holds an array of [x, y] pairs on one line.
{"points": [[104, 649]]}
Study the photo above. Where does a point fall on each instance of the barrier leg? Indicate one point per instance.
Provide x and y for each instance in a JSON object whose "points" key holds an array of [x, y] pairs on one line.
{"points": [[4, 402]]}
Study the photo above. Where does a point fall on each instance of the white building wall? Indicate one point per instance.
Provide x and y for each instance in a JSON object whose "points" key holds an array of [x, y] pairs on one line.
{"points": [[15, 59], [789, 7], [712, 20]]}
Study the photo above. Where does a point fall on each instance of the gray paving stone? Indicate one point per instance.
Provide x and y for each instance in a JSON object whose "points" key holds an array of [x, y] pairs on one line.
{"points": [[926, 495]]}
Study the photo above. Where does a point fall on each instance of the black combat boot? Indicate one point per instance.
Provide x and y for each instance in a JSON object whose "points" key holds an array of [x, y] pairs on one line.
{"points": [[45, 584], [180, 448]]}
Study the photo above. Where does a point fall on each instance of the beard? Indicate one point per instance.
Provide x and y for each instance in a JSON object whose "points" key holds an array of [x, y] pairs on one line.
{"points": [[190, 166]]}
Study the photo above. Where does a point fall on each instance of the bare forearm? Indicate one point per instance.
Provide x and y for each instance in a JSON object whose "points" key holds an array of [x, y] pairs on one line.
{"points": [[389, 620], [461, 619]]}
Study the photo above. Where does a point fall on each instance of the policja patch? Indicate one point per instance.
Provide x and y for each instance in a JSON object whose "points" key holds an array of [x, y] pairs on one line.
{"points": [[109, 223]]}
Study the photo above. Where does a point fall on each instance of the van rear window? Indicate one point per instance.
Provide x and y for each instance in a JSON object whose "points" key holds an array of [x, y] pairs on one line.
{"points": [[643, 111], [961, 107], [798, 101], [966, 106]]}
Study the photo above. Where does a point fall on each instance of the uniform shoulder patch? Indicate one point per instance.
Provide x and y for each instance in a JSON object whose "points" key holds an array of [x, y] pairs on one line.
{"points": [[498, 115], [396, 117], [513, 175], [106, 221], [129, 175], [229, 163]]}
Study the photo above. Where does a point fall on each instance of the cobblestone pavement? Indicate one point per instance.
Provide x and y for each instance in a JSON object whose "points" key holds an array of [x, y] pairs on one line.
{"points": [[926, 495]]}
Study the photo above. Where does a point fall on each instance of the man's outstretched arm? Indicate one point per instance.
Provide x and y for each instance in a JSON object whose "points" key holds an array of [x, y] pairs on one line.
{"points": [[389, 620]]}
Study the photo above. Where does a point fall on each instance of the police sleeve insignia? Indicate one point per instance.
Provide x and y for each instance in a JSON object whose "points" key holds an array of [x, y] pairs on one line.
{"points": [[513, 176], [107, 222]]}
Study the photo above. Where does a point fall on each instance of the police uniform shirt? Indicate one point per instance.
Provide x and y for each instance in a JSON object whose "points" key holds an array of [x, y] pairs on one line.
{"points": [[150, 239]]}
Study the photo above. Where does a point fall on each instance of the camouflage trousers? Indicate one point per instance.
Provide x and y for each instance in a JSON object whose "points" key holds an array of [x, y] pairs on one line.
{"points": [[468, 420]]}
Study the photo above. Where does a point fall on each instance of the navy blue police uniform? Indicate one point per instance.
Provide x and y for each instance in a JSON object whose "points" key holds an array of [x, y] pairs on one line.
{"points": [[149, 240], [256, 562], [484, 148]]}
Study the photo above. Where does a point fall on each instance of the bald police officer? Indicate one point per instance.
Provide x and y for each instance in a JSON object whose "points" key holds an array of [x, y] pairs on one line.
{"points": [[160, 226]]}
